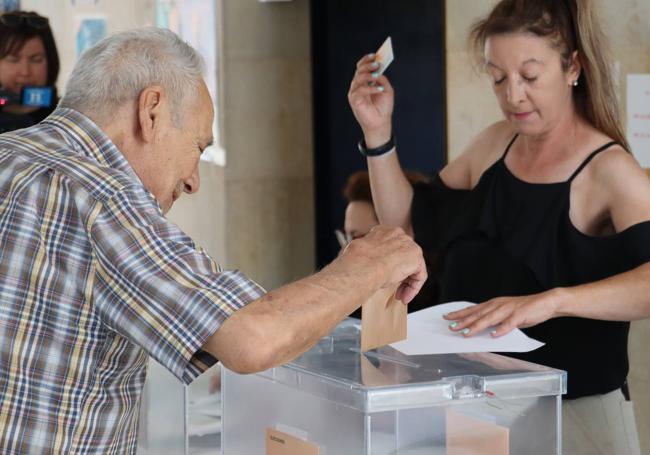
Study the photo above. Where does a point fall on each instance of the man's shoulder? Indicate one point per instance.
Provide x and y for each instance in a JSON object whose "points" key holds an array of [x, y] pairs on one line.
{"points": [[43, 150]]}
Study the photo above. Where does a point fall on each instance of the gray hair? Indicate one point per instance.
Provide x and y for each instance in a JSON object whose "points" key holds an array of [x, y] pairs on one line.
{"points": [[119, 67]]}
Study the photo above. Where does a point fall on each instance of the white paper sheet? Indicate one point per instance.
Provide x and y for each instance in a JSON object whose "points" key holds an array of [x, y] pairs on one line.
{"points": [[428, 333]]}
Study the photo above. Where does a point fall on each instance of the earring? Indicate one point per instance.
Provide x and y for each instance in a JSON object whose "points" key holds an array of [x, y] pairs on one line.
{"points": [[575, 83]]}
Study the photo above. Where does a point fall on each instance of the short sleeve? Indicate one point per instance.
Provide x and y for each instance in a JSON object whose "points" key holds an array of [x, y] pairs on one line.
{"points": [[636, 244], [154, 286], [585, 258]]}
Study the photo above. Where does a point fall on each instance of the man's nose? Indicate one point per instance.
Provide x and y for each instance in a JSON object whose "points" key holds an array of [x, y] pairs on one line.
{"points": [[192, 183]]}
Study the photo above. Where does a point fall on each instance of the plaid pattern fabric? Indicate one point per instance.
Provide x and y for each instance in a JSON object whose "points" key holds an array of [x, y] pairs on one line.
{"points": [[92, 279]]}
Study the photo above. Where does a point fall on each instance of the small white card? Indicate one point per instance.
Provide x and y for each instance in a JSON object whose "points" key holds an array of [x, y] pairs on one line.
{"points": [[384, 56]]}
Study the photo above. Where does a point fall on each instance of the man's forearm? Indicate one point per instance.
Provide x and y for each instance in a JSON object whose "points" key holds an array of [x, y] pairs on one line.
{"points": [[289, 320]]}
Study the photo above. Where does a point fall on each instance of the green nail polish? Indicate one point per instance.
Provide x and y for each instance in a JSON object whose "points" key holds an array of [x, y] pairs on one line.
{"points": [[375, 64], [380, 89], [465, 331], [375, 74], [453, 324], [493, 332]]}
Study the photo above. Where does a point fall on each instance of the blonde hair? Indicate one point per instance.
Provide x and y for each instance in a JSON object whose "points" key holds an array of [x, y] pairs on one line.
{"points": [[570, 25]]}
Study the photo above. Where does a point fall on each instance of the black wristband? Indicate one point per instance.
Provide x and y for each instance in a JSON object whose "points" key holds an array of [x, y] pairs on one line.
{"points": [[382, 149]]}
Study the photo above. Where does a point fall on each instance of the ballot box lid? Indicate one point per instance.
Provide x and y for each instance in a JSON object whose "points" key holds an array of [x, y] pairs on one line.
{"points": [[385, 379]]}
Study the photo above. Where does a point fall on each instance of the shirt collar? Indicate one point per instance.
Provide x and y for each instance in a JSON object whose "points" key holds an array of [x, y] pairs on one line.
{"points": [[88, 139]]}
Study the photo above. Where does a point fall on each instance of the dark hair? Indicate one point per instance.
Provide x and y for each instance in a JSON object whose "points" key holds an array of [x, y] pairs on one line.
{"points": [[14, 36], [570, 25], [357, 187]]}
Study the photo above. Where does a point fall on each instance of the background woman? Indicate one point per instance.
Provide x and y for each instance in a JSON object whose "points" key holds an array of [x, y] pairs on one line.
{"points": [[28, 57]]}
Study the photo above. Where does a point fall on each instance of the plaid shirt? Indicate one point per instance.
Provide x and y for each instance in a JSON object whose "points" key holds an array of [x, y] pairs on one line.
{"points": [[92, 279]]}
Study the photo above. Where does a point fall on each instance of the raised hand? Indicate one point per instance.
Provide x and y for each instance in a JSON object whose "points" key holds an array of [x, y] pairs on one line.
{"points": [[371, 98]]}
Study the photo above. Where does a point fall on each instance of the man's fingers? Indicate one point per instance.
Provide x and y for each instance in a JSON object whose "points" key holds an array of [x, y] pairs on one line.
{"points": [[407, 291]]}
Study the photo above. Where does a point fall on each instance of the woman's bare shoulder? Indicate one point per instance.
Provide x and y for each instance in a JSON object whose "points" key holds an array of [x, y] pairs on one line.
{"points": [[482, 151], [616, 178]]}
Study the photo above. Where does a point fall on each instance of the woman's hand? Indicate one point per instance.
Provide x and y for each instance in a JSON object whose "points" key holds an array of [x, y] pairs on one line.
{"points": [[505, 314], [371, 98]]}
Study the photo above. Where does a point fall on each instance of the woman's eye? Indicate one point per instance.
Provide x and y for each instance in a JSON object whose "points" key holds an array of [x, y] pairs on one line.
{"points": [[530, 79], [498, 81]]}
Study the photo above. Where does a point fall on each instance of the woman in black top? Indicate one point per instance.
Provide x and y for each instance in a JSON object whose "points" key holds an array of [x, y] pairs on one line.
{"points": [[545, 217], [28, 57]]}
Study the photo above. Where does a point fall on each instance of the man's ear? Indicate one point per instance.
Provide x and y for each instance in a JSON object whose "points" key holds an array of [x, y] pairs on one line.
{"points": [[150, 108]]}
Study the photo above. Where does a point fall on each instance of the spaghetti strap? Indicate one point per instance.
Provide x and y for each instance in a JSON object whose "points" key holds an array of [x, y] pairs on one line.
{"points": [[591, 157], [512, 141]]}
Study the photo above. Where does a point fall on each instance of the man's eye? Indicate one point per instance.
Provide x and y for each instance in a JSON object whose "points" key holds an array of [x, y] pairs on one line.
{"points": [[530, 79], [499, 81]]}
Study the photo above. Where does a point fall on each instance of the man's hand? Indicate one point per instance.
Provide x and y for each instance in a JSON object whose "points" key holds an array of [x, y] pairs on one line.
{"points": [[505, 314], [396, 256]]}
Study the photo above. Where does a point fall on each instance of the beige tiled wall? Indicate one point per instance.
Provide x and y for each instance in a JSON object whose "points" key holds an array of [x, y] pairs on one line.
{"points": [[471, 107], [267, 133]]}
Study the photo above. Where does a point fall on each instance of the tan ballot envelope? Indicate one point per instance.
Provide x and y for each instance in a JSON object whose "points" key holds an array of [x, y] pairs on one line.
{"points": [[279, 443], [383, 320], [468, 435]]}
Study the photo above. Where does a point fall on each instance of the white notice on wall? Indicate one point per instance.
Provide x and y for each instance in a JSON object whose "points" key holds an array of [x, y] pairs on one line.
{"points": [[638, 116]]}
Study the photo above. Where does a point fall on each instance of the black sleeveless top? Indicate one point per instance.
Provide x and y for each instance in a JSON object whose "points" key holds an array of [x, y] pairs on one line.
{"points": [[508, 237]]}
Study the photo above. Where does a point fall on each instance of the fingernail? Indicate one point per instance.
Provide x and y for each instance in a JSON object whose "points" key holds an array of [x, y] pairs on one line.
{"points": [[375, 74], [375, 64], [453, 324], [380, 89], [493, 332], [465, 331], [371, 55]]}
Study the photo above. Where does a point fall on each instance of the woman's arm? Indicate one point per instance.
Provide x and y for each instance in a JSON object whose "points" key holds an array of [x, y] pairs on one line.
{"points": [[623, 297], [371, 98]]}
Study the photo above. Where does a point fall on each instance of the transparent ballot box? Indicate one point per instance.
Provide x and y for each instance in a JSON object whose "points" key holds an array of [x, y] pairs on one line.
{"points": [[334, 400], [176, 419]]}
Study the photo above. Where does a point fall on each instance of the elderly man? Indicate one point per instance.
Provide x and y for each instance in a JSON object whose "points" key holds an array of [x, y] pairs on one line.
{"points": [[93, 278]]}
